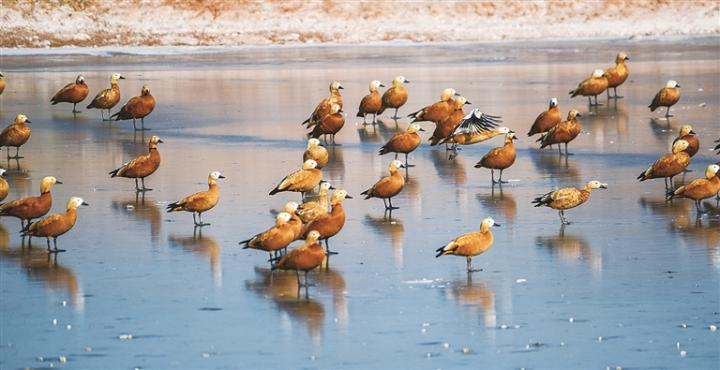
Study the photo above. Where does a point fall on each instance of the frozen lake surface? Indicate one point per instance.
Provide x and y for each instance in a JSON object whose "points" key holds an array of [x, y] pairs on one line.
{"points": [[634, 282]]}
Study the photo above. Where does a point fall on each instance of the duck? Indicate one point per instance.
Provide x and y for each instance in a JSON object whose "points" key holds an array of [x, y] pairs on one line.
{"points": [[371, 103], [499, 158], [687, 134], [669, 165], [617, 75], [142, 166], [331, 124], [15, 134], [471, 244], [200, 202], [4, 186], [446, 126], [56, 224], [316, 152], [137, 107], [107, 98], [302, 180], [2, 83], [567, 198], [403, 142], [666, 97], [74, 92], [304, 258], [563, 132], [592, 86], [275, 238], [700, 189], [546, 120], [29, 208], [388, 187], [310, 210], [395, 97], [330, 224], [323, 108], [475, 127], [437, 111]]}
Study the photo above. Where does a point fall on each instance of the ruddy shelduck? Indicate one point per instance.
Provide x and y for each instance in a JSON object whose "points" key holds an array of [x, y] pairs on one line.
{"points": [[330, 224], [471, 244], [563, 132], [475, 127], [547, 119], [617, 75], [304, 258], [316, 152], [30, 208], [594, 85], [74, 93], [107, 98], [700, 189], [499, 158], [138, 107], [56, 224], [331, 124], [310, 210], [2, 83], [567, 198], [142, 166], [15, 134], [447, 125], [4, 186], [666, 97], [395, 97], [687, 134], [669, 165], [404, 142], [437, 111], [275, 238], [302, 180], [323, 108], [295, 222], [371, 103], [201, 201], [389, 186]]}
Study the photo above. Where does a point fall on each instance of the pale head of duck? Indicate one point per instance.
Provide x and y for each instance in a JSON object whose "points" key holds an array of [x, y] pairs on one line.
{"points": [[503, 130], [324, 187], [597, 73], [448, 94], [282, 218], [487, 223], [115, 77], [21, 119], [214, 176], [80, 79], [309, 164], [338, 196], [680, 145], [460, 102], [375, 84], [413, 128], [155, 139], [145, 90], [395, 165], [291, 207], [621, 57], [595, 185], [686, 130], [553, 102], [312, 237], [47, 182], [335, 86], [75, 202], [335, 108], [711, 171], [313, 143], [510, 136], [573, 113], [672, 84], [399, 80], [2, 172]]}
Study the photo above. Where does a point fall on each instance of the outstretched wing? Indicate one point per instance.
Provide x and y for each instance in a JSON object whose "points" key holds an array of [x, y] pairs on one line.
{"points": [[476, 121]]}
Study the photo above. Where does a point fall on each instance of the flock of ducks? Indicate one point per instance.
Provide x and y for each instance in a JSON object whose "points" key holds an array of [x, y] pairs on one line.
{"points": [[316, 218]]}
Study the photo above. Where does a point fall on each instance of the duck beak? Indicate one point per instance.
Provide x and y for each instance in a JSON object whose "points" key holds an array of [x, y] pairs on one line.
{"points": [[603, 186], [84, 204], [496, 224], [221, 177], [57, 182], [348, 197]]}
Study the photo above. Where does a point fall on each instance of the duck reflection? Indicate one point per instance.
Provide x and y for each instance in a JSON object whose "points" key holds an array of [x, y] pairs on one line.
{"points": [[20, 185], [145, 211], [369, 134], [203, 246], [678, 212], [500, 202], [295, 302], [43, 267], [570, 249], [450, 171], [549, 162], [477, 296], [335, 167], [388, 228], [705, 231]]}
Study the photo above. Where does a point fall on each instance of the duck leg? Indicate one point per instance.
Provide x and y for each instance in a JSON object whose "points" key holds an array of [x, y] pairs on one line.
{"points": [[563, 219], [470, 268]]}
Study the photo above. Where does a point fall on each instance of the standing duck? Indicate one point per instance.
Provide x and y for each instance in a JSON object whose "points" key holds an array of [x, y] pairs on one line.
{"points": [[137, 107], [201, 201], [471, 244], [141, 167], [74, 93], [107, 98], [56, 224]]}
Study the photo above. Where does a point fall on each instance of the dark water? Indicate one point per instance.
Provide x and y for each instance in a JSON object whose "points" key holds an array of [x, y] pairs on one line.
{"points": [[634, 282]]}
